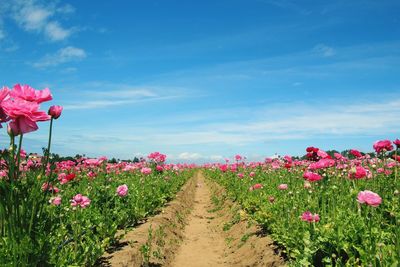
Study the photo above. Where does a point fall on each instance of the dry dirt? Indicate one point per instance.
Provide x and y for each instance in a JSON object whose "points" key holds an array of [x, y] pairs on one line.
{"points": [[194, 231]]}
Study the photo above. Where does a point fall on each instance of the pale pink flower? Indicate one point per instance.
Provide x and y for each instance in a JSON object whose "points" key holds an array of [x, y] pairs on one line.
{"points": [[79, 200], [283, 187], [370, 198], [55, 201], [252, 174], [122, 190], [240, 175], [145, 170]]}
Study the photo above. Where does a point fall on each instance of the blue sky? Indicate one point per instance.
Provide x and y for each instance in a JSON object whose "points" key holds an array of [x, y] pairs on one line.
{"points": [[205, 80]]}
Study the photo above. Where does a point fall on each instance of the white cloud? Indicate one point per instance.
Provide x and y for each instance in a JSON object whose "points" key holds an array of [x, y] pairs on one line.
{"points": [[55, 32], [324, 50], [63, 55], [189, 156], [38, 16]]}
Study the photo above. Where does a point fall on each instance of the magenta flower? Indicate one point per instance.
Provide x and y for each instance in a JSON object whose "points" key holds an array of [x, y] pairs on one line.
{"points": [[396, 142], [355, 153], [28, 93], [312, 177], [370, 198], [283, 187], [383, 145], [55, 111], [79, 200], [122, 190], [4, 94], [309, 217]]}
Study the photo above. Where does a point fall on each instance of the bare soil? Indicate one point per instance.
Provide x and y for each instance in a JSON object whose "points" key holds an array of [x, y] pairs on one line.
{"points": [[200, 228]]}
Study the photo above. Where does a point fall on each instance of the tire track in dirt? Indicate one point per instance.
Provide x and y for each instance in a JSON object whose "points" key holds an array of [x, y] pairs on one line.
{"points": [[203, 245]]}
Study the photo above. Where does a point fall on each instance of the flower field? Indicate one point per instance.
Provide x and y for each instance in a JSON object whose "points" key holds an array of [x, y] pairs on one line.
{"points": [[67, 213], [324, 210]]}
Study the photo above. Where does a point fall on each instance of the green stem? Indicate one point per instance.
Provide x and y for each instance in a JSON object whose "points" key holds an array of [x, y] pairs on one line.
{"points": [[47, 156]]}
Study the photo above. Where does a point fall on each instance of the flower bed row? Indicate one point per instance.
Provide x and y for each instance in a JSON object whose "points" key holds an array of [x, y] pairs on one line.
{"points": [[323, 211]]}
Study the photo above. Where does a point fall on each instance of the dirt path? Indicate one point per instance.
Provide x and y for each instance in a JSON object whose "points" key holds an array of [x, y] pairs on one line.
{"points": [[203, 244]]}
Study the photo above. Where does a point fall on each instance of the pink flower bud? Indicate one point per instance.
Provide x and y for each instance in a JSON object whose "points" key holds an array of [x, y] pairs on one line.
{"points": [[55, 111]]}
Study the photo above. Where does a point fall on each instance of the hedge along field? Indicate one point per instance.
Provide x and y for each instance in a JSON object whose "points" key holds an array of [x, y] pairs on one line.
{"points": [[324, 211], [67, 213]]}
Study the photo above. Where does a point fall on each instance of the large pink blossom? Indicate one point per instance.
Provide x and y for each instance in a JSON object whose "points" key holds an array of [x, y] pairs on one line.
{"points": [[25, 92], [370, 198], [383, 145], [23, 115]]}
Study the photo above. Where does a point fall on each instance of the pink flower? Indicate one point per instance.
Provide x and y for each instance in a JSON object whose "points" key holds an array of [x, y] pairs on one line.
{"points": [[312, 177], [271, 199], [55, 201], [252, 174], [28, 93], [322, 164], [283, 187], [383, 146], [238, 158], [240, 175], [4, 92], [24, 115], [122, 190], [145, 170], [309, 217], [55, 111], [358, 173], [159, 168], [322, 154], [355, 153], [396, 142], [370, 198], [157, 157], [257, 186], [79, 200]]}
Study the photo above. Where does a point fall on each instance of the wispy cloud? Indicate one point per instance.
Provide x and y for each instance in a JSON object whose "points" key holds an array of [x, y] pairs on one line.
{"points": [[39, 16], [97, 95], [63, 55], [324, 50]]}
